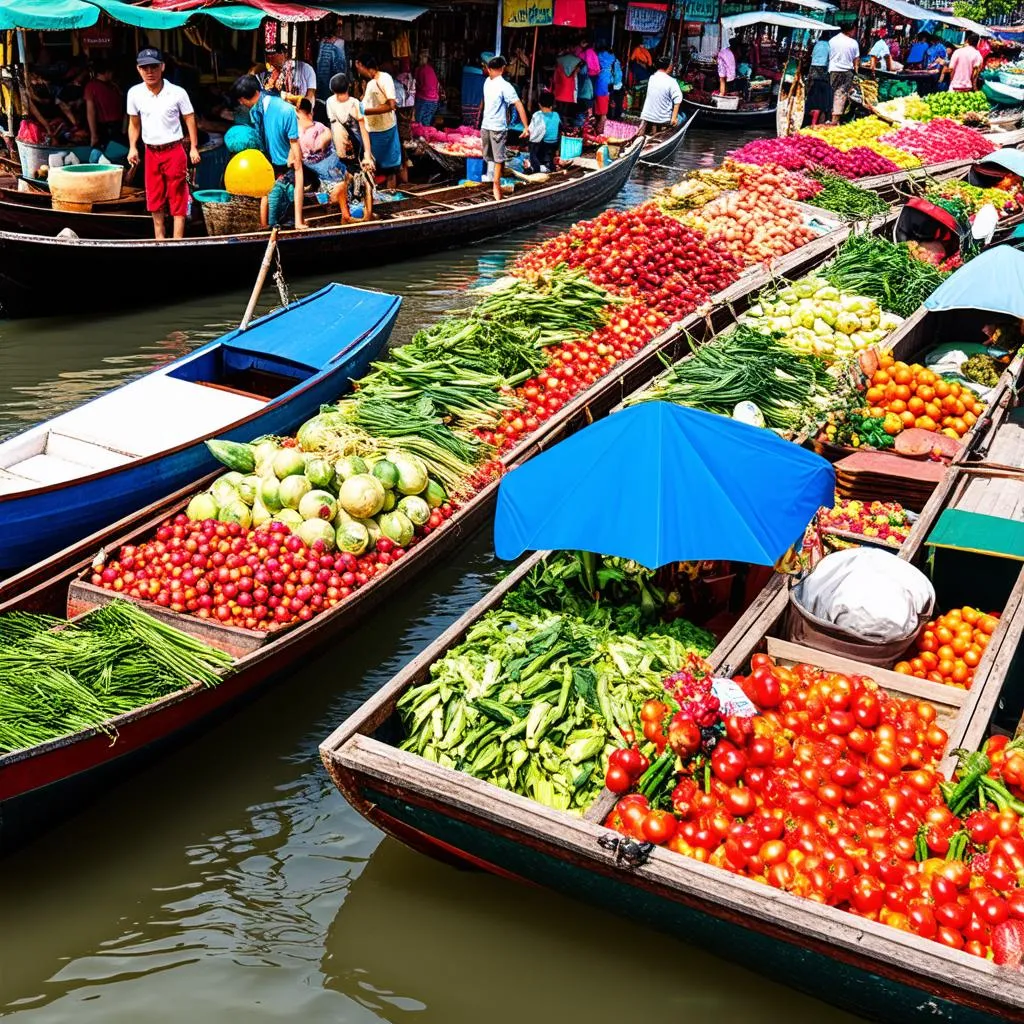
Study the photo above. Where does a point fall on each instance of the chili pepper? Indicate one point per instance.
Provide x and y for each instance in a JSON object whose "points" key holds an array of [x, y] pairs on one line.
{"points": [[957, 845], [921, 844], [972, 767], [996, 791], [652, 779]]}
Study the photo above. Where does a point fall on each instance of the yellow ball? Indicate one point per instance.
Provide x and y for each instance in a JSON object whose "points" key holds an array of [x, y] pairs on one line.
{"points": [[249, 174]]}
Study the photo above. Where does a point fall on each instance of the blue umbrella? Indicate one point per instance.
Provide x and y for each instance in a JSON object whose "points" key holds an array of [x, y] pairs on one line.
{"points": [[662, 483], [993, 282]]}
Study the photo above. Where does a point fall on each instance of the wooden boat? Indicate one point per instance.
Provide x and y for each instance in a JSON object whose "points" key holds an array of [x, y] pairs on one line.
{"points": [[862, 966], [660, 147], [1003, 95], [64, 478], [422, 223], [737, 120], [39, 785]]}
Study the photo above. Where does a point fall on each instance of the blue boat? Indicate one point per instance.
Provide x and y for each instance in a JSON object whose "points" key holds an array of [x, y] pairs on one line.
{"points": [[63, 479]]}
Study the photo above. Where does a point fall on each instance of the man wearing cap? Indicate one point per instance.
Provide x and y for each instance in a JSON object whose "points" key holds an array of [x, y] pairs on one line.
{"points": [[156, 109], [290, 79]]}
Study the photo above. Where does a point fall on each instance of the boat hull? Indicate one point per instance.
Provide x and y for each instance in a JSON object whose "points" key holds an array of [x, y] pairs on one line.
{"points": [[28, 263], [713, 117], [43, 521]]}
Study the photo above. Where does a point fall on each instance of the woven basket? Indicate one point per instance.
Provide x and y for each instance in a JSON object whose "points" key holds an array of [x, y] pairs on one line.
{"points": [[240, 214]]}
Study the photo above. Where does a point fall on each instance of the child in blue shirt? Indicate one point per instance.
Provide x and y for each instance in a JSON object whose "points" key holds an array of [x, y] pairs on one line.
{"points": [[544, 127]]}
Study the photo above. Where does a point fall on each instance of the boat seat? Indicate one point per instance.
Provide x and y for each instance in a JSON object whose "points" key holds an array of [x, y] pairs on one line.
{"points": [[47, 469], [154, 414], [11, 484], [90, 456]]}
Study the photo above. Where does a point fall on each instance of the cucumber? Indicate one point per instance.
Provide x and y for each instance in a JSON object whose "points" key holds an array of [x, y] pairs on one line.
{"points": [[234, 455]]}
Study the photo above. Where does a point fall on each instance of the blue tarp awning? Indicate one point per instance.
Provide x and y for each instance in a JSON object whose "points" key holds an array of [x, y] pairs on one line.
{"points": [[794, 21], [662, 483], [65, 15], [318, 328], [1011, 160], [992, 281], [914, 13], [47, 15]]}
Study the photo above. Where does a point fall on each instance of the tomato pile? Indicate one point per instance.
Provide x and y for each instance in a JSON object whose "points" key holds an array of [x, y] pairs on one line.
{"points": [[572, 368], [831, 792], [913, 396], [640, 252], [261, 579], [951, 646]]}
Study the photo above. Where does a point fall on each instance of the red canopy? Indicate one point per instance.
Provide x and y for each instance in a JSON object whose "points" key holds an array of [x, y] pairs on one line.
{"points": [[273, 8]]}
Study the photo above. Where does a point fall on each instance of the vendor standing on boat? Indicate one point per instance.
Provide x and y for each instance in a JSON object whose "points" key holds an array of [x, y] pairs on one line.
{"points": [[964, 65], [843, 61], [104, 107], [289, 79], [879, 55], [156, 110], [379, 106], [499, 95], [664, 97], [726, 67], [819, 89]]}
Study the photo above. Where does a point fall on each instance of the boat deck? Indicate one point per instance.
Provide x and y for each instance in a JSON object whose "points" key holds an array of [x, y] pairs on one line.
{"points": [[1000, 495]]}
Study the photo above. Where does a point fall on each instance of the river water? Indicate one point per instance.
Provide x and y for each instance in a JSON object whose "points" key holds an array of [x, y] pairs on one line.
{"points": [[231, 882]]}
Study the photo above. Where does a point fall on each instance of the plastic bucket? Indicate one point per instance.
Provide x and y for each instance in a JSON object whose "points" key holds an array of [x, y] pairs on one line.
{"points": [[474, 168], [570, 148]]}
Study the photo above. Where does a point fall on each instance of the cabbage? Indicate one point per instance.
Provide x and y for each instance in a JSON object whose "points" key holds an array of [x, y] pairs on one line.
{"points": [[412, 472], [260, 513], [288, 462], [340, 517], [805, 289], [415, 508], [318, 433], [223, 492], [847, 323], [319, 472], [390, 501], [822, 329], [353, 538], [350, 466], [386, 472], [318, 505], [289, 517], [889, 321], [312, 530], [829, 311], [293, 490], [789, 295], [236, 512], [202, 506], [756, 310], [264, 452], [247, 489], [362, 495], [270, 493], [397, 527], [780, 323], [435, 494], [372, 529]]}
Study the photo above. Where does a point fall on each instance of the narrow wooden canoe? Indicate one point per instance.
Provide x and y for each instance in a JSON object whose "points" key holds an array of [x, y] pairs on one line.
{"points": [[736, 120], [28, 263], [39, 785], [65, 478], [659, 149], [863, 966]]}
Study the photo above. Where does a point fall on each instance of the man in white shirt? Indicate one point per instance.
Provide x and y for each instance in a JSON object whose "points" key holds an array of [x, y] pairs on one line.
{"points": [[843, 61], [661, 107], [290, 79], [155, 111], [499, 95], [879, 55]]}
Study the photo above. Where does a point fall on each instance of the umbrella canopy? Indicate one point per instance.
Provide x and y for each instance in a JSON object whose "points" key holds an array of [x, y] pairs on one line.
{"points": [[1011, 160], [736, 21], [992, 281], [661, 483]]}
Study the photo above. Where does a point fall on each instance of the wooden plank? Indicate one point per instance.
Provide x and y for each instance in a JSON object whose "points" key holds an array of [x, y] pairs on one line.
{"points": [[895, 682], [736, 647]]}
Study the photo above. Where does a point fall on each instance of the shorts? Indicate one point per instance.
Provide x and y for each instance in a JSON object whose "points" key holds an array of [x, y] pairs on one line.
{"points": [[166, 181], [601, 105], [492, 145], [842, 83]]}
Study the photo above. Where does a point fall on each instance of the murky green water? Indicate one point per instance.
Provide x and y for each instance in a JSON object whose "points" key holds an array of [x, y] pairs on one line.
{"points": [[231, 882]]}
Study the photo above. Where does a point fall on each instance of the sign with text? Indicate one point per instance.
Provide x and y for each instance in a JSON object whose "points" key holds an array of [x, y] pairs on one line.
{"points": [[648, 19], [701, 10], [528, 13]]}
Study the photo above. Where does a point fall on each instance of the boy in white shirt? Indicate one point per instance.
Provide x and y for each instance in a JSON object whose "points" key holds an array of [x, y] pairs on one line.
{"points": [[499, 95]]}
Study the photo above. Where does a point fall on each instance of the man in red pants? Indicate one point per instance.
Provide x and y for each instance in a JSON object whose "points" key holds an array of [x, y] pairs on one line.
{"points": [[156, 110]]}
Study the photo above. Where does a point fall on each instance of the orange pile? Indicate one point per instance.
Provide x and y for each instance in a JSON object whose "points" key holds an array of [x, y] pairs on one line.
{"points": [[951, 646], [913, 396]]}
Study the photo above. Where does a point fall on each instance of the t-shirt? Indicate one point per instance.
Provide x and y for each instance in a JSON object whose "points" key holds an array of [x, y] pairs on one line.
{"points": [[277, 125], [918, 53], [159, 113], [544, 126], [107, 99], [726, 64], [338, 113], [936, 51], [842, 52], [296, 78], [961, 68], [378, 91], [820, 54], [590, 59], [426, 84], [566, 82], [663, 93], [881, 51], [309, 142], [499, 95]]}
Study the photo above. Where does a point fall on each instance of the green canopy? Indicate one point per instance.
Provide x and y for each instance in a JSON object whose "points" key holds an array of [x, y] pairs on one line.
{"points": [[62, 15]]}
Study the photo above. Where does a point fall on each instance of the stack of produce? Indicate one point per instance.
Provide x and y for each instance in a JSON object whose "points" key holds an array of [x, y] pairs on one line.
{"points": [[805, 152], [960, 198], [838, 195], [754, 224], [57, 678], [885, 271], [905, 396], [461, 141], [907, 108], [791, 796], [951, 646], [940, 140], [982, 369], [534, 701], [946, 264], [698, 188], [771, 179], [816, 318], [642, 253], [749, 366], [881, 520], [864, 133], [956, 104]]}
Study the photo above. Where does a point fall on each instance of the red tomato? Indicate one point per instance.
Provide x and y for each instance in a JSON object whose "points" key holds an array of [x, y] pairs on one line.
{"points": [[659, 827], [617, 779], [867, 895]]}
